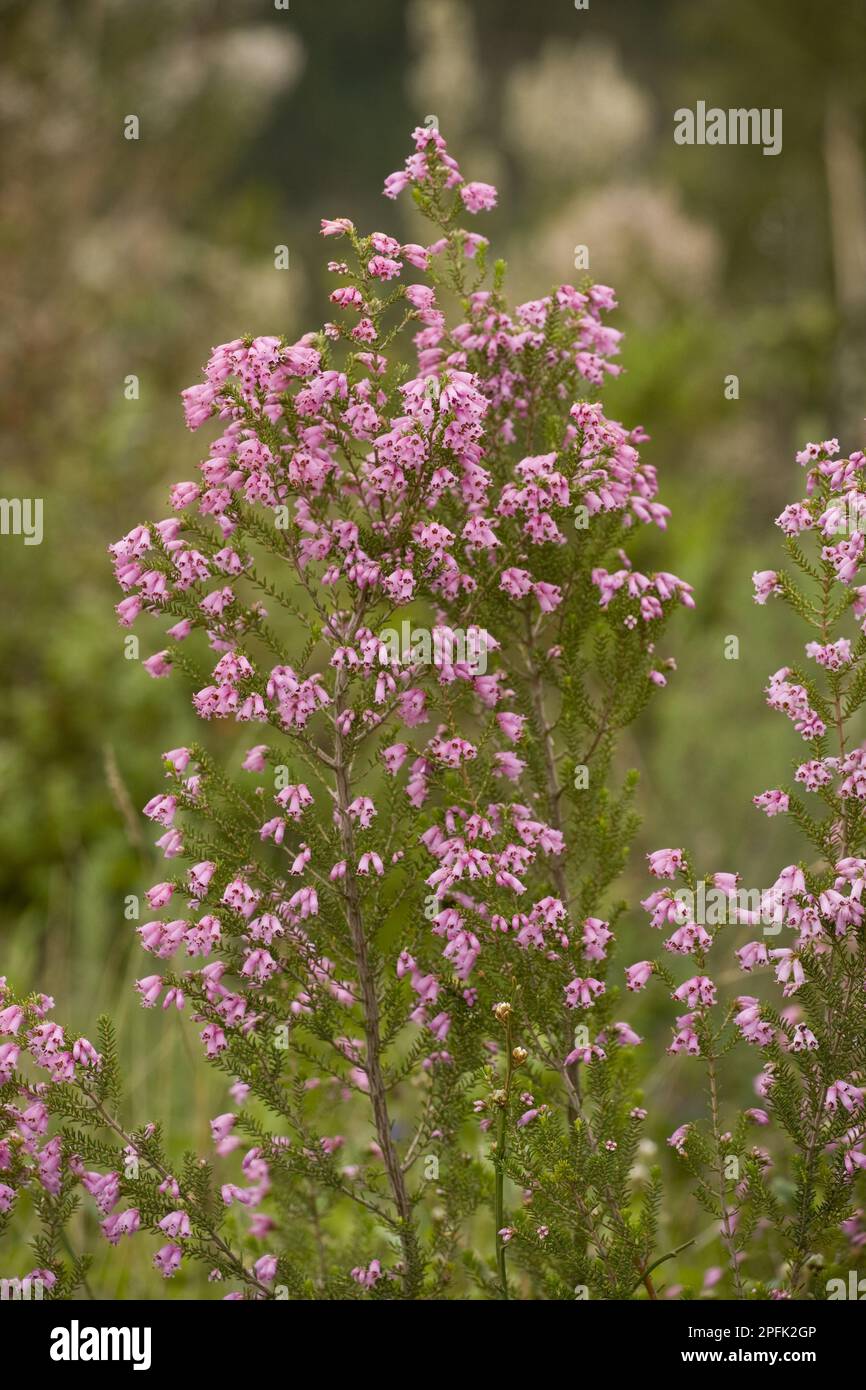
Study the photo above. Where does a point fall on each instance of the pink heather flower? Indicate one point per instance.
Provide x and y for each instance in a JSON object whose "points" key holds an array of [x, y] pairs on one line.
{"points": [[254, 760], [804, 1039], [184, 494], [9, 1054], [222, 1125], [855, 1160], [177, 758], [665, 909], [638, 974], [833, 655], [843, 1093], [400, 585], [726, 882], [104, 1188], [845, 557], [11, 1018], [626, 1036], [301, 859], [478, 197], [294, 800], [421, 297], [472, 244], [582, 993], [85, 1054], [748, 1020], [515, 582], [816, 773], [124, 1223], [383, 267], [794, 518], [369, 1276], [365, 331], [198, 404], [335, 226], [587, 1055], [685, 1039], [214, 1040], [33, 1122], [394, 757], [689, 938], [265, 1268], [789, 971], [793, 700], [813, 452], [149, 989], [665, 863], [128, 610], [169, 1187], [369, 861], [508, 765], [199, 877], [596, 935], [259, 966], [161, 809], [416, 255], [171, 844], [773, 803], [698, 992], [176, 1225], [158, 665], [677, 1140], [549, 596], [167, 1260], [766, 582], [347, 297], [752, 955], [511, 725], [384, 244], [394, 184]]}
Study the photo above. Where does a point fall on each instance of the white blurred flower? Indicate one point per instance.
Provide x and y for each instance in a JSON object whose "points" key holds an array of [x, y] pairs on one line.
{"points": [[639, 238], [572, 110], [252, 63]]}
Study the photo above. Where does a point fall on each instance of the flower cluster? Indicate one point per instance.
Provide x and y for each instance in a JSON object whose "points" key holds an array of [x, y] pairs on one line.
{"points": [[410, 853], [809, 1028]]}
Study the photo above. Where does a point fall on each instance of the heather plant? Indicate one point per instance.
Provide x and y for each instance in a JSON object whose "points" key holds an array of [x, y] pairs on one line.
{"points": [[790, 1214], [406, 569], [578, 645]]}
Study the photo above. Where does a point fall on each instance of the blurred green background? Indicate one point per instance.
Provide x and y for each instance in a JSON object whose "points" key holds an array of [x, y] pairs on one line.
{"points": [[132, 258]]}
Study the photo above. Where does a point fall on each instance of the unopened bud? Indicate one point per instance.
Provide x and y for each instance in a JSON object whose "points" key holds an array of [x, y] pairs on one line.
{"points": [[502, 1012], [519, 1056]]}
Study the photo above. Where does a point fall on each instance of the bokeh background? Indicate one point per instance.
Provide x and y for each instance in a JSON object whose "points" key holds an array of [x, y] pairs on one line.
{"points": [[132, 258]]}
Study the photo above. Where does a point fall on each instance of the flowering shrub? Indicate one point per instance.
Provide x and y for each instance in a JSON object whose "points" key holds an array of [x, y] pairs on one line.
{"points": [[389, 921], [810, 1033]]}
